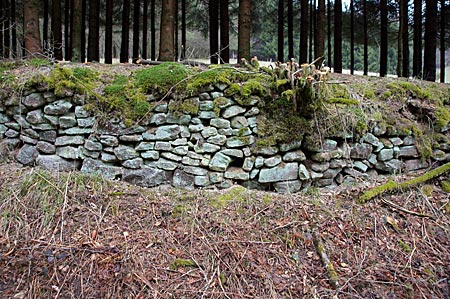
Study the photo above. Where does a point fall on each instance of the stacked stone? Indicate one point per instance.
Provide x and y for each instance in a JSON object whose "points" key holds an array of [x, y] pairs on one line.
{"points": [[201, 141]]}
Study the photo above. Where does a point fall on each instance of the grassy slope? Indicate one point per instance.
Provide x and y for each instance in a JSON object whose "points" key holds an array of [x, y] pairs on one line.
{"points": [[71, 235]]}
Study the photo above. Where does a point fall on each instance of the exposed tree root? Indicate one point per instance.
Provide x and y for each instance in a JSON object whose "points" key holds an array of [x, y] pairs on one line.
{"points": [[392, 186], [331, 272]]}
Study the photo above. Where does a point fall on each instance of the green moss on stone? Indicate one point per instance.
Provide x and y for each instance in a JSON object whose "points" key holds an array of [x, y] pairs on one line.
{"points": [[161, 78], [187, 106]]}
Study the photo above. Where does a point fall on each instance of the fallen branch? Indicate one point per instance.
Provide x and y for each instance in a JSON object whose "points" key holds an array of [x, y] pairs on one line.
{"points": [[392, 186], [400, 208], [185, 62], [332, 274]]}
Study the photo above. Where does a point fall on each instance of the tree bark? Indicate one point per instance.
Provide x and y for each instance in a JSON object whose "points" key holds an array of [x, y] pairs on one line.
{"points": [[319, 43], [152, 30], [94, 31], [45, 43], [290, 30], [312, 9], [2, 12], [183, 29], [329, 32], [383, 38], [83, 30], [338, 36], [13, 29], [175, 33], [366, 40], [67, 28], [304, 31], [76, 32], [405, 39], [145, 29], [108, 32], [417, 39], [32, 36], [399, 39], [136, 14], [352, 36], [125, 41], [214, 31], [56, 29], [6, 26], [224, 31], [280, 52], [442, 43], [166, 52], [244, 28], [429, 61]]}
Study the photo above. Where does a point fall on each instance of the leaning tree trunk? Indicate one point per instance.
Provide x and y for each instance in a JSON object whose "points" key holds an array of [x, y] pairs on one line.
{"points": [[32, 37], [166, 50], [244, 28]]}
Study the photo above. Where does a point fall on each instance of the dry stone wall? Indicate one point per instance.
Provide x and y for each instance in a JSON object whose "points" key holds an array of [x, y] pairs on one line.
{"points": [[214, 144]]}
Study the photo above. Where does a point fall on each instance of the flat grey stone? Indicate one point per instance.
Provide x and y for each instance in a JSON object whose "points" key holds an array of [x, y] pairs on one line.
{"points": [[108, 158], [195, 170], [131, 138], [217, 139], [20, 119], [273, 161], [303, 173], [320, 167], [93, 166], [238, 122], [76, 131], [109, 140], [45, 147], [209, 132], [163, 146], [282, 172], [133, 163], [59, 107], [69, 140], [207, 115], [183, 180], [124, 152], [233, 111], [80, 112], [196, 128], [34, 100], [150, 155], [180, 150], [206, 105], [385, 154], [147, 177], [259, 162], [166, 164], [190, 162], [206, 148], [86, 122], [409, 151], [202, 181], [220, 123], [49, 136], [145, 146], [28, 140], [35, 117], [295, 156], [288, 187], [56, 163], [237, 153], [27, 155], [220, 162], [67, 121], [163, 133], [12, 133], [249, 162], [68, 152], [237, 173], [93, 145], [171, 156], [361, 151]]}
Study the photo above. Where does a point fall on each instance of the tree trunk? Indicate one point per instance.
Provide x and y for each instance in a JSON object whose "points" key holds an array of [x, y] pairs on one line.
{"points": [[7, 24], [45, 43], [152, 30], [352, 36], [94, 35], [319, 42], [429, 61], [32, 37], [224, 31], [56, 29], [399, 39], [83, 30], [67, 28], [183, 28], [383, 38], [108, 32], [175, 33], [244, 28], [214, 31], [280, 53], [290, 30], [329, 32], [125, 41], [442, 44], [304, 31], [312, 9], [2, 12], [338, 36], [366, 40], [417, 40], [166, 52], [136, 13], [13, 29], [405, 40], [76, 32], [145, 29]]}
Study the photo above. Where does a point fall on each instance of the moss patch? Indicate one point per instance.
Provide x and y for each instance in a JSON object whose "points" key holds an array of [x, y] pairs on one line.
{"points": [[161, 78]]}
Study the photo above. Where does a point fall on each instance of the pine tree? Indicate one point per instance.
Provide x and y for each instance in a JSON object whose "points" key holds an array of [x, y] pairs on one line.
{"points": [[32, 36], [166, 45], [244, 28], [429, 61]]}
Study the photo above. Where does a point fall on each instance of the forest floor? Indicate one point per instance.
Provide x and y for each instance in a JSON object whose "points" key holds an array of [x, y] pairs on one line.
{"points": [[69, 235]]}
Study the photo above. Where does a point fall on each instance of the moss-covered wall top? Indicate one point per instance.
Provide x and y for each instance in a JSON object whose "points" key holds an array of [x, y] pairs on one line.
{"points": [[286, 127]]}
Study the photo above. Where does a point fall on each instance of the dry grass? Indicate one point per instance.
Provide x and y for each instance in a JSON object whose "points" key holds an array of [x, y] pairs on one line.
{"points": [[75, 236]]}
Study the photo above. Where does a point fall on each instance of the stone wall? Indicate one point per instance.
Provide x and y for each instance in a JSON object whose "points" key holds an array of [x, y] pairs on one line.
{"points": [[212, 144]]}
